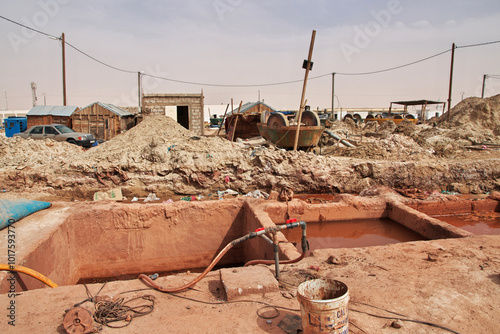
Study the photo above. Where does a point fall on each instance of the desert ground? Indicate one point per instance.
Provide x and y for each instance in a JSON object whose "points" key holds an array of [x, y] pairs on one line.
{"points": [[432, 286]]}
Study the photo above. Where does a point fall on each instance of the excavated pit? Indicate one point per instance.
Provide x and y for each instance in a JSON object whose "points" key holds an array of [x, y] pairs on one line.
{"points": [[72, 242]]}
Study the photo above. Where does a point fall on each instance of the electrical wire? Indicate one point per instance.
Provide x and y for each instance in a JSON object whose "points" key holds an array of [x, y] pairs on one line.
{"points": [[97, 60], [22, 25], [397, 67], [251, 85], [477, 44]]}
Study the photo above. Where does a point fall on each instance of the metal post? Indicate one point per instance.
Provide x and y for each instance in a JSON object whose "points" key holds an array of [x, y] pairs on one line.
{"points": [[308, 68], [63, 68], [484, 83], [5, 94], [451, 79], [333, 94]]}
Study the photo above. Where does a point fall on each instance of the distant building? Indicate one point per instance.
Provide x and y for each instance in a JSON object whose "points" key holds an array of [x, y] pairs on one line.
{"points": [[103, 120], [11, 113], [39, 115], [185, 109]]}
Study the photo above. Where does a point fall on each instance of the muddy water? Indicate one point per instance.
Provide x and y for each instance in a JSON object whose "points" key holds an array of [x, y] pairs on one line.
{"points": [[476, 222], [353, 233]]}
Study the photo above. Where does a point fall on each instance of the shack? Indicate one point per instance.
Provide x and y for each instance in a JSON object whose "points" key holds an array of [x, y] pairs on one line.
{"points": [[422, 103], [103, 120], [39, 115], [185, 109], [244, 122]]}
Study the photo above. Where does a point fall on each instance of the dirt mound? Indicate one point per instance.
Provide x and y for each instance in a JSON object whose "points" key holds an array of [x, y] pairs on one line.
{"points": [[386, 127], [406, 128], [17, 151], [162, 141], [474, 115]]}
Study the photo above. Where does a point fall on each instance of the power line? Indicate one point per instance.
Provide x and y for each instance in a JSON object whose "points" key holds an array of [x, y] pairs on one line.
{"points": [[478, 44], [22, 25], [397, 67], [252, 85], [97, 60]]}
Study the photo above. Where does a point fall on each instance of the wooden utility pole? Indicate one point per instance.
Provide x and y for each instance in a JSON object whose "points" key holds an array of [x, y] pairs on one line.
{"points": [[451, 79], [308, 65], [64, 68], [139, 105], [333, 95]]}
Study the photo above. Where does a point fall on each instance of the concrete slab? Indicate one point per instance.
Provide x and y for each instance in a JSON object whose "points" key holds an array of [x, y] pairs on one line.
{"points": [[240, 283]]}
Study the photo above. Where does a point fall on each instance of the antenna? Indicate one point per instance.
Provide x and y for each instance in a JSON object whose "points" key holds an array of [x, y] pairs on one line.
{"points": [[33, 93]]}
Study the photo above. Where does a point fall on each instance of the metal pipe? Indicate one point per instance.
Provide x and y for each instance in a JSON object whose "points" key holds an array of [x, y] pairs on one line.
{"points": [[346, 143], [276, 250], [304, 244], [265, 237]]}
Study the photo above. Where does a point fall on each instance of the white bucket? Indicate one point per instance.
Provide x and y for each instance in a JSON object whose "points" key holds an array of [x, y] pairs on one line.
{"points": [[323, 306]]}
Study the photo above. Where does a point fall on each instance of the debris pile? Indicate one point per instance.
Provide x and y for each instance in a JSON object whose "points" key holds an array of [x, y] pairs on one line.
{"points": [[18, 152]]}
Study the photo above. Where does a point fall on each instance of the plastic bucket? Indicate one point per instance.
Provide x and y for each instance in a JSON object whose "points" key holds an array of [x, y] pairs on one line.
{"points": [[324, 306]]}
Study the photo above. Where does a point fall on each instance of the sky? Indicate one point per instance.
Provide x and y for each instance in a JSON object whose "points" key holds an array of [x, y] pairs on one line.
{"points": [[248, 49]]}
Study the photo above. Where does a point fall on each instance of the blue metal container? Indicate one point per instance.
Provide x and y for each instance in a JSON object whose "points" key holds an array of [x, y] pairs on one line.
{"points": [[14, 125]]}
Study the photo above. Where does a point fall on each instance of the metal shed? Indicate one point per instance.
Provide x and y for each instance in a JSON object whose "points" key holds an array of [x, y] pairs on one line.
{"points": [[423, 103], [103, 120]]}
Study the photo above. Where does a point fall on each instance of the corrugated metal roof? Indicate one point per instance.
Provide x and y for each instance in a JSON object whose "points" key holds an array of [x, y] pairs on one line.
{"points": [[111, 107], [248, 106], [52, 110]]}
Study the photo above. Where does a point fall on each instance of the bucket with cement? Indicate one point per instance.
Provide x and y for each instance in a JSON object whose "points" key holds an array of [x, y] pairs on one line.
{"points": [[323, 306]]}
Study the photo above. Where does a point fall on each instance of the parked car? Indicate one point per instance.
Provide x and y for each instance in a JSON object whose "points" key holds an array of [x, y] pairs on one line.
{"points": [[58, 132]]}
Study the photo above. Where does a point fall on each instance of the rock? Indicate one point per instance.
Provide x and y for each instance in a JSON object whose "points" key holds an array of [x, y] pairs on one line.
{"points": [[397, 324]]}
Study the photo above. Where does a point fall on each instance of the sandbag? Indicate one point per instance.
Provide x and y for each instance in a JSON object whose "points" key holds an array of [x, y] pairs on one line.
{"points": [[12, 210]]}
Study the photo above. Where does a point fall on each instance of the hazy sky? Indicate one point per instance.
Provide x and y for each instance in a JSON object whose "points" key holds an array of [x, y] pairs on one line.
{"points": [[244, 42]]}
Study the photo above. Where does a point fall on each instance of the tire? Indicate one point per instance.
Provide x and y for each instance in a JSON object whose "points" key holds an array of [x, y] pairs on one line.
{"points": [[71, 141]]}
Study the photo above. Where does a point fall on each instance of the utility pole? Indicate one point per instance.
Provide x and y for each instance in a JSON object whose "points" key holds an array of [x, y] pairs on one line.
{"points": [[451, 79], [307, 65], [64, 69], [333, 94], [484, 83], [5, 95], [139, 92]]}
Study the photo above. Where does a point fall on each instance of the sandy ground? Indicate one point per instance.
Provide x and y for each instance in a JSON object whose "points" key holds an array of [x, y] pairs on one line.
{"points": [[452, 283]]}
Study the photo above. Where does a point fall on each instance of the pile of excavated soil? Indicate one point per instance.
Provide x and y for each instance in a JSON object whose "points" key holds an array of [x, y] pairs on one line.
{"points": [[161, 141], [18, 152], [160, 155], [474, 119]]}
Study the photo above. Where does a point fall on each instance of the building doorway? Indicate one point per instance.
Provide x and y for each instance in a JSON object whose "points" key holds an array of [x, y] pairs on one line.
{"points": [[183, 116]]}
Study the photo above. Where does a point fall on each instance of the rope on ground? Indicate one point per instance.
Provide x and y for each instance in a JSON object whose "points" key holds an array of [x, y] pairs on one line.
{"points": [[107, 312]]}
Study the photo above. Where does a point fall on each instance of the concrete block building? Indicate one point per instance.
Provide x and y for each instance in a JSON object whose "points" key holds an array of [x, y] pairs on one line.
{"points": [[186, 109]]}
